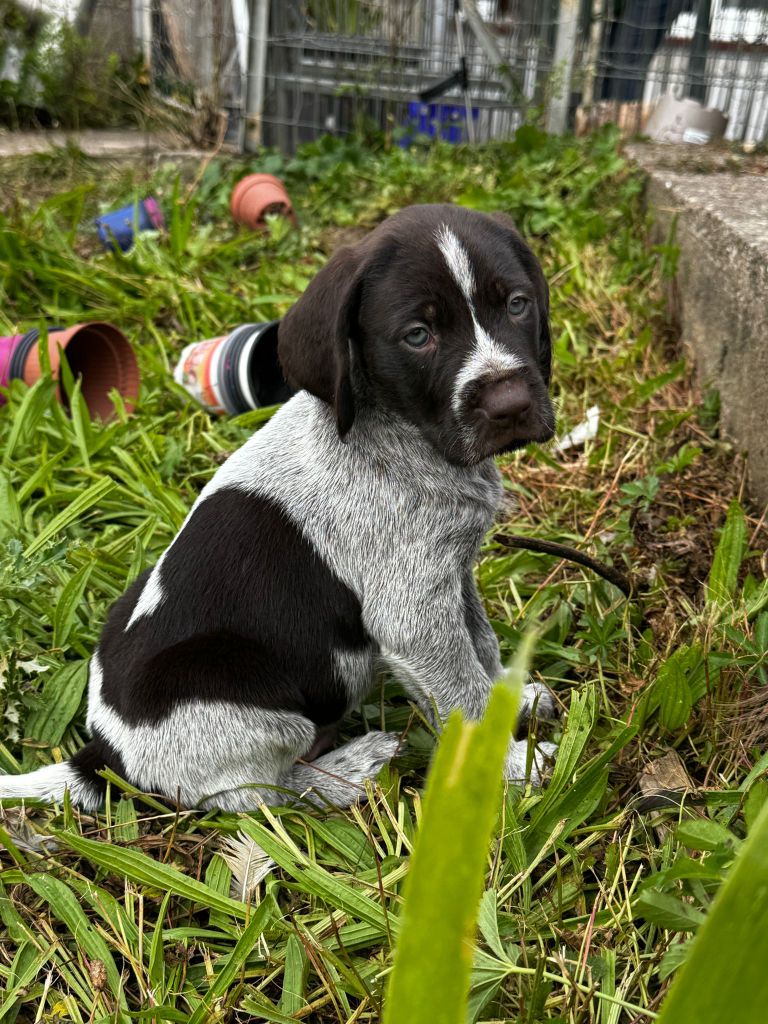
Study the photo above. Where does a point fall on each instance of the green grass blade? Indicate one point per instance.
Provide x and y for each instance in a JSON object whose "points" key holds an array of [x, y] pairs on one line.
{"points": [[27, 416], [30, 971], [64, 905], [72, 513], [234, 961], [62, 692], [316, 880], [294, 976], [67, 605], [145, 871], [10, 509]]}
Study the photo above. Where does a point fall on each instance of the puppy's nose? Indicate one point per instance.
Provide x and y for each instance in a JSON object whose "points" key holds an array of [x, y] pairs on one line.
{"points": [[505, 400]]}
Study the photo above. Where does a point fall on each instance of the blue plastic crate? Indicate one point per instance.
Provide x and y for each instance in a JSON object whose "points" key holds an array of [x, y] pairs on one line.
{"points": [[446, 121]]}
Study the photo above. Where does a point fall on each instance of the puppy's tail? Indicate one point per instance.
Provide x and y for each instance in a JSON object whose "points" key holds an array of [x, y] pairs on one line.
{"points": [[50, 782]]}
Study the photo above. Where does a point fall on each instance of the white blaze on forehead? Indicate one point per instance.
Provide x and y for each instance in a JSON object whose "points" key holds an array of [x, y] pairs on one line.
{"points": [[487, 359], [457, 258]]}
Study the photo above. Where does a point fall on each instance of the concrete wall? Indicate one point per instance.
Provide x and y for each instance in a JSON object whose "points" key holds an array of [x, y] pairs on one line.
{"points": [[722, 286]]}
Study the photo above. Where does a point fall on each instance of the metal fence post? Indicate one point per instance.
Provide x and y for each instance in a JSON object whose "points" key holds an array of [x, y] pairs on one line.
{"points": [[697, 65], [562, 67], [142, 28], [258, 24]]}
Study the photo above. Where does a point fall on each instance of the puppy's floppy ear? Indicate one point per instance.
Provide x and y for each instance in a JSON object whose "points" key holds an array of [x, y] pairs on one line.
{"points": [[533, 268], [315, 334]]}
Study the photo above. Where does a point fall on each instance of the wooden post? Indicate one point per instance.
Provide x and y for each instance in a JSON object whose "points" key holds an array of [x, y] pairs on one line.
{"points": [[562, 67], [258, 26]]}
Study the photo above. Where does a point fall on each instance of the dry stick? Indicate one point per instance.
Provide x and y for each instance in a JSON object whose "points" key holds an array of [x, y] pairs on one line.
{"points": [[603, 503], [548, 547]]}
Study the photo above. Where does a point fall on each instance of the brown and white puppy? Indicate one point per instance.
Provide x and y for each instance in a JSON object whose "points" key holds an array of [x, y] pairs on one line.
{"points": [[339, 540]]}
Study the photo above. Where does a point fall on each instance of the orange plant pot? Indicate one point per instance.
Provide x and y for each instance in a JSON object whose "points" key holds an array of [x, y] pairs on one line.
{"points": [[257, 195], [98, 353]]}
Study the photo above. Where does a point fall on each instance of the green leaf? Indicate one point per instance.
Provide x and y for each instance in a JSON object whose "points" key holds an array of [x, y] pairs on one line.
{"points": [[316, 880], [126, 828], [667, 911], [10, 511], [294, 976], [25, 971], [59, 703], [263, 1010], [680, 681], [66, 606], [724, 574], [233, 963], [488, 923], [673, 694], [145, 871], [156, 968], [757, 798], [64, 905], [674, 958], [704, 834], [27, 416]]}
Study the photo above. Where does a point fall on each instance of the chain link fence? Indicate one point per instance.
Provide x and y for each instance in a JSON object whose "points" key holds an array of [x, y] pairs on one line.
{"points": [[284, 72]]}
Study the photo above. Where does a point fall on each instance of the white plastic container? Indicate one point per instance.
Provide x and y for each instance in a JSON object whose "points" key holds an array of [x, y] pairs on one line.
{"points": [[686, 120], [234, 372]]}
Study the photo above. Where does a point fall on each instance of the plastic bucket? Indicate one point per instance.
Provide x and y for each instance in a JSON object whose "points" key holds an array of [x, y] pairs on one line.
{"points": [[98, 353], [235, 372], [118, 226], [257, 195]]}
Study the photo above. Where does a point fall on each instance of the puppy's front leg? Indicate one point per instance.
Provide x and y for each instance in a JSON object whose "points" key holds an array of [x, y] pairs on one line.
{"points": [[435, 658], [480, 629], [537, 698]]}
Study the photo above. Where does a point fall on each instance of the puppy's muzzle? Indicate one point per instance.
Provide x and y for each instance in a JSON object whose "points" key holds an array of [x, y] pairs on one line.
{"points": [[509, 412]]}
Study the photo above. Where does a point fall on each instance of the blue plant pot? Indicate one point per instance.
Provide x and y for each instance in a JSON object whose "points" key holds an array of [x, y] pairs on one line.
{"points": [[117, 227]]}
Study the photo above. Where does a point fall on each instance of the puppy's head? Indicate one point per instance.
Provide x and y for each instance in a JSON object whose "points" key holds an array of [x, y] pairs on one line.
{"points": [[440, 315]]}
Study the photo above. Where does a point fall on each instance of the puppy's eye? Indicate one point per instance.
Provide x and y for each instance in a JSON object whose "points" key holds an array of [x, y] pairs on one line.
{"points": [[517, 305], [418, 337]]}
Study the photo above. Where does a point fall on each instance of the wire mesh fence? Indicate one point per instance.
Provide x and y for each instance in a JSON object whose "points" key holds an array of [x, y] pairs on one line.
{"points": [[283, 72]]}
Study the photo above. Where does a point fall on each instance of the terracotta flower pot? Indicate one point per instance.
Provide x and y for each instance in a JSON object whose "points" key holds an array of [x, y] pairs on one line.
{"points": [[97, 352], [257, 195]]}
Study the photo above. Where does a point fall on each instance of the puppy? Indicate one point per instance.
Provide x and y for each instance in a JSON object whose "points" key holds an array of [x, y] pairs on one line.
{"points": [[339, 540]]}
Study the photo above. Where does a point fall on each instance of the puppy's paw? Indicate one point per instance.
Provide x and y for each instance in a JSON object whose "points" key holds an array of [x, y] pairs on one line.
{"points": [[517, 761], [376, 749], [363, 757], [339, 777], [538, 701]]}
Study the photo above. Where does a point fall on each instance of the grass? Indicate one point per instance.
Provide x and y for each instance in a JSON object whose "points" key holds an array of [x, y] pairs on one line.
{"points": [[594, 885]]}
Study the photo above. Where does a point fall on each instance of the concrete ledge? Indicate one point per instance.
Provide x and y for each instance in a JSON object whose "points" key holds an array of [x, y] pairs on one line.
{"points": [[116, 145], [722, 288]]}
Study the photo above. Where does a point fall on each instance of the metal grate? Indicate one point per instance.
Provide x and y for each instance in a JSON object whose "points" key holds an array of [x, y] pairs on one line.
{"points": [[309, 67]]}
